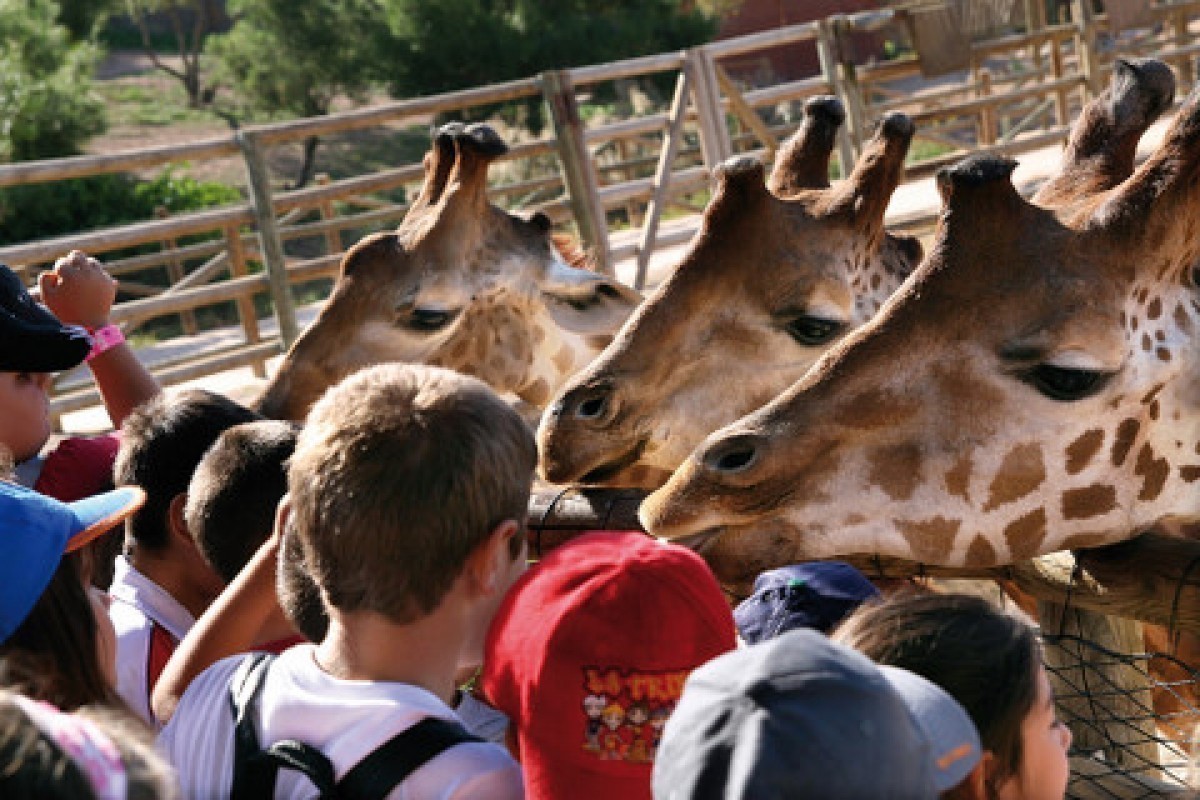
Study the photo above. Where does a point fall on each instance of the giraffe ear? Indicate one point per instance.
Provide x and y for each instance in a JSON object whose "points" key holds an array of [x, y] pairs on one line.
{"points": [[803, 161], [373, 253], [865, 195], [1164, 191]]}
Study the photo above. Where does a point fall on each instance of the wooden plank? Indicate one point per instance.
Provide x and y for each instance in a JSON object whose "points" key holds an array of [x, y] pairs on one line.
{"points": [[662, 174], [579, 172], [744, 112], [268, 235]]}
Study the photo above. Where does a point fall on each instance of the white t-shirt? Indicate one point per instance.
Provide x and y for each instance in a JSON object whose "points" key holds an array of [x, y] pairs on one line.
{"points": [[149, 623], [345, 720]]}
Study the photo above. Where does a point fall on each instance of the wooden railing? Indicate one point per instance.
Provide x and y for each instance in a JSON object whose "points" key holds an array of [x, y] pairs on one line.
{"points": [[1019, 94]]}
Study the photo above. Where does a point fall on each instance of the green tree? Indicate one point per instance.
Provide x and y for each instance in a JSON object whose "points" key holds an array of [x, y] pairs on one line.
{"points": [[453, 44], [84, 18], [47, 107], [189, 26], [283, 56]]}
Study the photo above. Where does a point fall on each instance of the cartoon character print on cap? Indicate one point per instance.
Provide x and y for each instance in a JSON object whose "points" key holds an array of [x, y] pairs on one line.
{"points": [[625, 710]]}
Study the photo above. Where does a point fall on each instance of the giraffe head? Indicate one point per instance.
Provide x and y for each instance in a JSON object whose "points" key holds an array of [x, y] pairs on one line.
{"points": [[461, 284], [1032, 387], [779, 271]]}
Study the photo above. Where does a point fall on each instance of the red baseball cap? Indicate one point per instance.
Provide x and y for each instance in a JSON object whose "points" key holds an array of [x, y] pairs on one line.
{"points": [[588, 655]]}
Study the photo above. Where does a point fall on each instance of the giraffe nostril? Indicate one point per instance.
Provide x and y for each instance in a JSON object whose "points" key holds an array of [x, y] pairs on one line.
{"points": [[731, 456]]}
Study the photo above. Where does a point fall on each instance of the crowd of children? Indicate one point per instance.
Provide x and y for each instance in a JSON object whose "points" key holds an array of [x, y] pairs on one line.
{"points": [[344, 609]]}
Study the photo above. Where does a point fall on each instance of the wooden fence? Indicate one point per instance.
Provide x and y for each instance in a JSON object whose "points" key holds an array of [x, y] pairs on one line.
{"points": [[1019, 93]]}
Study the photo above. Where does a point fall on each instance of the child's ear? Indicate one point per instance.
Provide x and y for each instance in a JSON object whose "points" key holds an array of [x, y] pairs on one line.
{"points": [[492, 560], [175, 520]]}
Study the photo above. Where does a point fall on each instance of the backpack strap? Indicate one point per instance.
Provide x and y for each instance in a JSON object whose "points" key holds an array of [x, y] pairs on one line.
{"points": [[373, 778], [252, 776], [386, 767]]}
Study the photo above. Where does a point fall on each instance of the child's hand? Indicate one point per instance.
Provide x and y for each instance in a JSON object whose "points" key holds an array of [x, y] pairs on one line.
{"points": [[79, 291]]}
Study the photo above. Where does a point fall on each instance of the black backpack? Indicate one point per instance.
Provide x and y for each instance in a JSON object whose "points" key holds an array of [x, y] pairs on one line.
{"points": [[373, 778]]}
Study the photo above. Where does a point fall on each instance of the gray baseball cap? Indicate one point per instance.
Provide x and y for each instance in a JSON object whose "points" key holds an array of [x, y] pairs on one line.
{"points": [[799, 716]]}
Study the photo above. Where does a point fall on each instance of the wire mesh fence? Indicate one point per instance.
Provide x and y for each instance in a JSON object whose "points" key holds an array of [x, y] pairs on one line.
{"points": [[1134, 718]]}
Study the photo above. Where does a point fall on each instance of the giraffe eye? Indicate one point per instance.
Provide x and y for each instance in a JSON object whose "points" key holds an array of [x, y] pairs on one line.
{"points": [[1065, 384], [813, 331], [427, 319]]}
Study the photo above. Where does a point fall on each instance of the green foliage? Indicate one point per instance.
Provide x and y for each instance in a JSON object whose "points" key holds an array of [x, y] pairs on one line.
{"points": [[286, 56], [39, 211], [453, 44], [85, 18], [47, 107]]}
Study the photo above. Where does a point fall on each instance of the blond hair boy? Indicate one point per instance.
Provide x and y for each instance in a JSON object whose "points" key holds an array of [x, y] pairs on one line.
{"points": [[408, 493]]}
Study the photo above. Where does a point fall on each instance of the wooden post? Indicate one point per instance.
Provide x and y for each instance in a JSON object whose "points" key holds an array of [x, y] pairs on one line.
{"points": [[333, 237], [672, 138], [245, 305], [1085, 45], [268, 235], [1184, 65], [827, 52], [746, 113], [1062, 104], [987, 114], [579, 172], [175, 274], [715, 146]]}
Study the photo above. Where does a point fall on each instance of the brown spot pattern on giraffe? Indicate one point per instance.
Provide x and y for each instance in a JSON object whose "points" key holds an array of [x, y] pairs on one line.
{"points": [[958, 477], [1154, 471], [1089, 501], [1182, 320], [1021, 472], [1189, 472], [1081, 451], [896, 470], [1154, 310], [931, 539], [1126, 432], [1026, 534], [981, 553], [538, 393], [873, 409]]}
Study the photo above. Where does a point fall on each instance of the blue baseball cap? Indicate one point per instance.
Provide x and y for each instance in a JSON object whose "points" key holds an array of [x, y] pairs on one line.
{"points": [[35, 532], [31, 338], [816, 594], [799, 717]]}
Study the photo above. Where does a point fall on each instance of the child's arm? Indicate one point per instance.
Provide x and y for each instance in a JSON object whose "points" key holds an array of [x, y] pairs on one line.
{"points": [[80, 292], [245, 614]]}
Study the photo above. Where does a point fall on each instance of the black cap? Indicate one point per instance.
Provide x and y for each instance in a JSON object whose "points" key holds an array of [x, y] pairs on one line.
{"points": [[31, 338]]}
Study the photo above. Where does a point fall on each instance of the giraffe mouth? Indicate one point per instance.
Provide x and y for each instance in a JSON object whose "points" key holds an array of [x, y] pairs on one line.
{"points": [[611, 469], [701, 541]]}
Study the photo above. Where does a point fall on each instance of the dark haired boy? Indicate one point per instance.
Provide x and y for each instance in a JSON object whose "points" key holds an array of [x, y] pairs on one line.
{"points": [[162, 583]]}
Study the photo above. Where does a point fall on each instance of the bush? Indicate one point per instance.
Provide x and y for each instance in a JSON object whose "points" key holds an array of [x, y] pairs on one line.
{"points": [[41, 211], [47, 107]]}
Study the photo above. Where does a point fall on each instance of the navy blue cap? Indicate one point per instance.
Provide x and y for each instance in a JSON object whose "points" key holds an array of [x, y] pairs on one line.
{"points": [[31, 338], [816, 594]]}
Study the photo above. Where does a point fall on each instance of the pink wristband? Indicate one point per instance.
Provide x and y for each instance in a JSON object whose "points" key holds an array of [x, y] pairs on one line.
{"points": [[105, 339]]}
